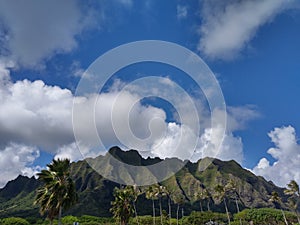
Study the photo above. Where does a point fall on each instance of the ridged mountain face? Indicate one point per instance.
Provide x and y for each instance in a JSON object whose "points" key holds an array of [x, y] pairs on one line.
{"points": [[96, 193]]}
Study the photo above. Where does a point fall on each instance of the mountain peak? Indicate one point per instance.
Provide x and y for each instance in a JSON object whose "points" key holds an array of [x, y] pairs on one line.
{"points": [[131, 157]]}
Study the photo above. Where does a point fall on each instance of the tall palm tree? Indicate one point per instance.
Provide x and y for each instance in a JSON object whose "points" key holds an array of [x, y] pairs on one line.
{"points": [[58, 192], [293, 190], [170, 192], [135, 193], [151, 194], [221, 195], [160, 192], [179, 199], [122, 205], [277, 200], [202, 195], [230, 188], [207, 194]]}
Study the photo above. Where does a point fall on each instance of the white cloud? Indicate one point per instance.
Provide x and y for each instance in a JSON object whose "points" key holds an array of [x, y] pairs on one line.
{"points": [[72, 152], [33, 31], [17, 159], [182, 12], [287, 157], [230, 148], [228, 26], [35, 114], [38, 29], [179, 141], [239, 116]]}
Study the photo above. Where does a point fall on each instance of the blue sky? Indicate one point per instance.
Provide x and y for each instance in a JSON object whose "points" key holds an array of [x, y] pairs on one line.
{"points": [[252, 47]]}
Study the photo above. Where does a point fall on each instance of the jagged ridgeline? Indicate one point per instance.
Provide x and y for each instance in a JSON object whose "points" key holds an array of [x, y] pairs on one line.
{"points": [[96, 193]]}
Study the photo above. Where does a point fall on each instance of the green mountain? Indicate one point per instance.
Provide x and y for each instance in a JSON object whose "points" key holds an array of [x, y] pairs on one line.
{"points": [[96, 192]]}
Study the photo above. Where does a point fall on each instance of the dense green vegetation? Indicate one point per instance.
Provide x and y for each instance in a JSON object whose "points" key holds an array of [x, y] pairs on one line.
{"points": [[263, 216]]}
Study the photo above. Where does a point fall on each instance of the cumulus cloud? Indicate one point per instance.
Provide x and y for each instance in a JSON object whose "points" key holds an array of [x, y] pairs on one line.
{"points": [[228, 26], [17, 159], [33, 31], [287, 157], [209, 145], [37, 29], [33, 113]]}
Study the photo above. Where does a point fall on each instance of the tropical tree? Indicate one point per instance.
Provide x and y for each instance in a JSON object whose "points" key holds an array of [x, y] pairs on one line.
{"points": [[202, 195], [277, 200], [170, 192], [230, 188], [151, 194], [122, 207], [179, 199], [220, 191], [160, 192], [294, 192], [135, 194], [58, 191]]}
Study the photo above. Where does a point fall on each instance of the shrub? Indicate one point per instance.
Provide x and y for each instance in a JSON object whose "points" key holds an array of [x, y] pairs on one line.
{"points": [[196, 218], [69, 220], [265, 216], [14, 221], [93, 220]]}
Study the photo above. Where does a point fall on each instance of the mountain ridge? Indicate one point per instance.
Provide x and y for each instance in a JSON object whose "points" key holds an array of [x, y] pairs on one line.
{"points": [[96, 192]]}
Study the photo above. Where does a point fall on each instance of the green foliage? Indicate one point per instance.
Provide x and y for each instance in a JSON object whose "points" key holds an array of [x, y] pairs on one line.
{"points": [[122, 207], [265, 216], [58, 190], [69, 220], [196, 218], [14, 221], [94, 220]]}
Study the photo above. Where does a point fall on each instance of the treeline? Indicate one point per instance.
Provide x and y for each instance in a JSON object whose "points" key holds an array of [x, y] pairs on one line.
{"points": [[263, 216]]}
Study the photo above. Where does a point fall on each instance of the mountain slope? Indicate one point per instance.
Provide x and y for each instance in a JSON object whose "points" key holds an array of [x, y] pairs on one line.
{"points": [[96, 192]]}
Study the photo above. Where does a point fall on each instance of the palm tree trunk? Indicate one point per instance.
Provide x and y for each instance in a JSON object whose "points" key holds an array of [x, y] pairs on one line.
{"points": [[208, 206], [228, 217], [160, 211], [153, 208], [297, 216], [238, 208], [59, 215], [135, 212], [177, 213], [170, 210], [283, 214]]}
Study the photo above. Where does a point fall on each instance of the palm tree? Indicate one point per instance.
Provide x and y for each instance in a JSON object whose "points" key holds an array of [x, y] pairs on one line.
{"points": [[179, 199], [170, 192], [292, 203], [293, 190], [58, 192], [151, 194], [122, 205], [135, 193], [208, 197], [202, 195], [230, 187], [160, 192], [221, 195], [277, 200]]}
